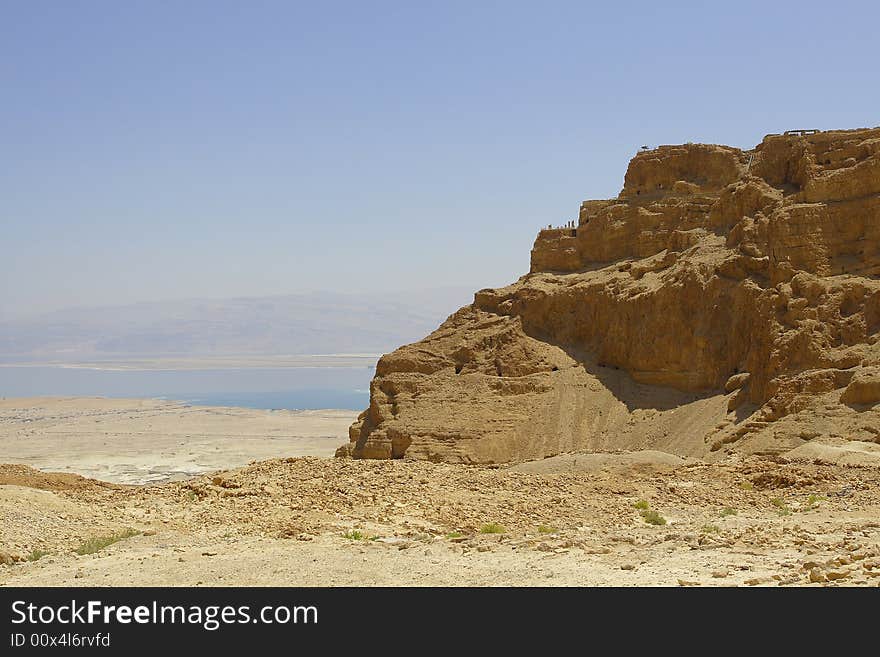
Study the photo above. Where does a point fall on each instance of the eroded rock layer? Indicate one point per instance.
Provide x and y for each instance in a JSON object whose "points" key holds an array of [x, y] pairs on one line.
{"points": [[726, 299]]}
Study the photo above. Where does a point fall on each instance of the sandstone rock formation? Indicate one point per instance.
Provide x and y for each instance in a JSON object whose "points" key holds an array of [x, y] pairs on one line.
{"points": [[726, 299]]}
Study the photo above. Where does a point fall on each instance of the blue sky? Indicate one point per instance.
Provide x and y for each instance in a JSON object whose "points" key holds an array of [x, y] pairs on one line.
{"points": [[159, 150]]}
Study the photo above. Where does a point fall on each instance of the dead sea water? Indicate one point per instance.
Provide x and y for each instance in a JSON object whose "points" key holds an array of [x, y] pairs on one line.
{"points": [[294, 388]]}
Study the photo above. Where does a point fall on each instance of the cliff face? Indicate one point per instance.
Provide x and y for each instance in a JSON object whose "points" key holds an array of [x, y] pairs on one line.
{"points": [[725, 299]]}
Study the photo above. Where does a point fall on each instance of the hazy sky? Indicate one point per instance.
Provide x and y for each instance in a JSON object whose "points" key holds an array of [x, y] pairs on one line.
{"points": [[157, 150]]}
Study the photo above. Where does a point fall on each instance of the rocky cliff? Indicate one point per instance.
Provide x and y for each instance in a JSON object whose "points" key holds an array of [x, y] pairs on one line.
{"points": [[726, 299]]}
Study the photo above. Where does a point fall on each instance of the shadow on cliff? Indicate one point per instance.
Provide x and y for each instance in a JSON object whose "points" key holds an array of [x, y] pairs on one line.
{"points": [[627, 390], [637, 395]]}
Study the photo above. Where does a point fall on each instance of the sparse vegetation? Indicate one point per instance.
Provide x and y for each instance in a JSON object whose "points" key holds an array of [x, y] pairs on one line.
{"points": [[358, 535], [98, 543], [781, 506], [747, 485], [813, 500], [36, 554], [710, 529], [547, 529], [491, 528], [652, 517], [728, 511], [191, 496], [648, 514], [454, 535]]}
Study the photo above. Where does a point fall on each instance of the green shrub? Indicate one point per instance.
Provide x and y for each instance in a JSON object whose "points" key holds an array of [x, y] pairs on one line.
{"points": [[491, 528], [652, 517], [780, 504], [36, 555], [813, 500], [98, 543]]}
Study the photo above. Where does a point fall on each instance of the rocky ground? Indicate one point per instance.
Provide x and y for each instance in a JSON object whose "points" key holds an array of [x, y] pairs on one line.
{"points": [[573, 520]]}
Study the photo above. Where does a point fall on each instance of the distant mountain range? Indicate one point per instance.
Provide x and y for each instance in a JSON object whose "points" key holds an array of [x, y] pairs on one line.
{"points": [[310, 323]]}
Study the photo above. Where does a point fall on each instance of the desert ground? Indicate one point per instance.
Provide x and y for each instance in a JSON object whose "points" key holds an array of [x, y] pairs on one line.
{"points": [[142, 441], [295, 518]]}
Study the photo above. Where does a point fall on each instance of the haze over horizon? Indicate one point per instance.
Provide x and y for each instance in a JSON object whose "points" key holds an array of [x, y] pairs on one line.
{"points": [[423, 299], [306, 323], [216, 150]]}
